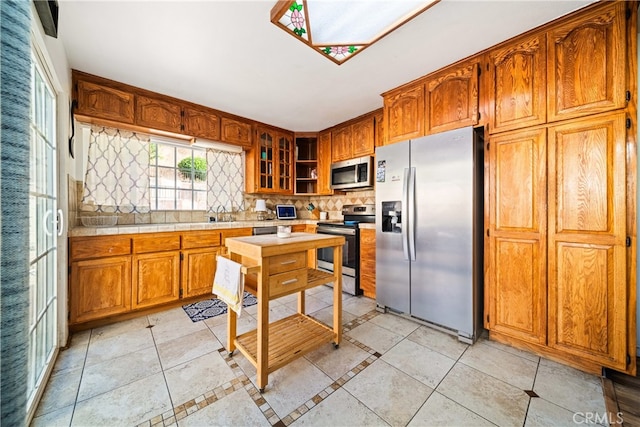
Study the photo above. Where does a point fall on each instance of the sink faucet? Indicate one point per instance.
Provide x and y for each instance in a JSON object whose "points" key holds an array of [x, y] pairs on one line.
{"points": [[218, 213]]}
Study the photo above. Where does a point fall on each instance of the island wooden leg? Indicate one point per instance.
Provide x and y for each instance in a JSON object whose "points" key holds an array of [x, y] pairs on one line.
{"points": [[301, 302], [337, 294], [262, 362], [231, 330]]}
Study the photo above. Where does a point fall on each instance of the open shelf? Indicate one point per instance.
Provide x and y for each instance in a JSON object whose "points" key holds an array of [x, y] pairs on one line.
{"points": [[306, 165], [289, 339]]}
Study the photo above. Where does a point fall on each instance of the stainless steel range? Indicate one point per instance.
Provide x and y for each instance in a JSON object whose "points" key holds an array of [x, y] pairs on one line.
{"points": [[353, 215]]}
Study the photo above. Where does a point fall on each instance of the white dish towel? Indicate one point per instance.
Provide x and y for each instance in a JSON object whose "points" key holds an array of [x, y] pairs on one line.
{"points": [[228, 283]]}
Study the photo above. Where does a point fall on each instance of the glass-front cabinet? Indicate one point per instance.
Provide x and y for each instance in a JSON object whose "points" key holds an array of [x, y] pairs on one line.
{"points": [[270, 162]]}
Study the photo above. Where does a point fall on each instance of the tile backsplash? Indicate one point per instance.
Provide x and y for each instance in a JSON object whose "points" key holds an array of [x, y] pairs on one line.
{"points": [[330, 204]]}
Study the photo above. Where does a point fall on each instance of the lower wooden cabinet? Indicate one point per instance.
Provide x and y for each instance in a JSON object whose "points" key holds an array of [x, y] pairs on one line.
{"points": [[100, 288], [368, 262], [198, 270], [156, 279]]}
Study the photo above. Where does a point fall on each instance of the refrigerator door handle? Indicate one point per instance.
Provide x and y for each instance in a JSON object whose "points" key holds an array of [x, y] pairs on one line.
{"points": [[405, 205], [411, 211]]}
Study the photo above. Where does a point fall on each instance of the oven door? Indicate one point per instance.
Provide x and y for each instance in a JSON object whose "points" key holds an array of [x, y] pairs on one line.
{"points": [[349, 257]]}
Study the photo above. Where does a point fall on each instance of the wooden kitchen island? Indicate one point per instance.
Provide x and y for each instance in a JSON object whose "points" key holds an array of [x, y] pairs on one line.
{"points": [[275, 267]]}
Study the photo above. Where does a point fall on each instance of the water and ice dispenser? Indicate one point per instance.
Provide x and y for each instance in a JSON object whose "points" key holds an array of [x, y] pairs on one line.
{"points": [[392, 217]]}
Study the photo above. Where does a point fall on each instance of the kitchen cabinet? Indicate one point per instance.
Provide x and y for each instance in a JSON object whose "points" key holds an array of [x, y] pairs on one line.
{"points": [[404, 113], [98, 100], [518, 78], [517, 281], [452, 98], [587, 239], [100, 277], [113, 275], [324, 163], [201, 123], [586, 67], [156, 113], [236, 131], [270, 162], [199, 252], [155, 269], [368, 262], [306, 161], [353, 139], [557, 257], [100, 288], [362, 132], [341, 143]]}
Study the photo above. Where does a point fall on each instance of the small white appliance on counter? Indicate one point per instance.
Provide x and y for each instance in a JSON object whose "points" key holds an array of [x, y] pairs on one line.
{"points": [[429, 232]]}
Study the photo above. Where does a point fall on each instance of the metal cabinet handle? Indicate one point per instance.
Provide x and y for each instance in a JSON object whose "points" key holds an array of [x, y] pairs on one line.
{"points": [[288, 262], [290, 281]]}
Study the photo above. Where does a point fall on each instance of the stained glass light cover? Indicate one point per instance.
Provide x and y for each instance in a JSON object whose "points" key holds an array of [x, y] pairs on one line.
{"points": [[339, 29]]}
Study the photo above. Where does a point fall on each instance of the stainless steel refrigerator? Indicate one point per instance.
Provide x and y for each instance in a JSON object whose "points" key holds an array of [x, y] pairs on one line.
{"points": [[429, 232]]}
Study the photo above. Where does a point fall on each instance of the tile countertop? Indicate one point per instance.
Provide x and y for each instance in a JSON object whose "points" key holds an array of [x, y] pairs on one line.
{"points": [[179, 226]]}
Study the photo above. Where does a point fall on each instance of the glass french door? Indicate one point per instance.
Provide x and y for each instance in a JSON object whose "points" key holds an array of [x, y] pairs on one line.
{"points": [[44, 218]]}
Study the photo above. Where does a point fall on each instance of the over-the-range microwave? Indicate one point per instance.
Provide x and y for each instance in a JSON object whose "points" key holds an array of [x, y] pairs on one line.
{"points": [[352, 173]]}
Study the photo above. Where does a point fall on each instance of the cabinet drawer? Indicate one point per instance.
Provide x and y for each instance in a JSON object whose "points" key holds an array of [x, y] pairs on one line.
{"points": [[156, 243], [99, 247], [200, 239], [287, 262], [288, 282]]}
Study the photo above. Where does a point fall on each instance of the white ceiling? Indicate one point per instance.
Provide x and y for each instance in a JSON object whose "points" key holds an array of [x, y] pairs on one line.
{"points": [[228, 55]]}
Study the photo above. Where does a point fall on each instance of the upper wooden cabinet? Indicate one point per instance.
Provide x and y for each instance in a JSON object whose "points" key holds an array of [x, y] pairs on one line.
{"points": [[341, 143], [452, 98], [201, 123], [517, 75], [98, 100], [269, 163], [158, 114], [586, 70], [404, 113], [362, 134], [236, 132]]}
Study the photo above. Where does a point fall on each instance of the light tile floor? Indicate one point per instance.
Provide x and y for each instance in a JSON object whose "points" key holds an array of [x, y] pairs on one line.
{"points": [[163, 369]]}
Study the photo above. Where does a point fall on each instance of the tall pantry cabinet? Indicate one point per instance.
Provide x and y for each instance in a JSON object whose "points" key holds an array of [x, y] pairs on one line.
{"points": [[558, 228]]}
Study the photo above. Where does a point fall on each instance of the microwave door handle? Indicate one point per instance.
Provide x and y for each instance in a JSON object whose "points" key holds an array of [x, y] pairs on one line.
{"points": [[355, 173]]}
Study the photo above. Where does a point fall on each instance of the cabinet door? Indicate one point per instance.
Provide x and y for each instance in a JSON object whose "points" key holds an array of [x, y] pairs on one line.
{"points": [[362, 137], [587, 63], [587, 232], [158, 114], [285, 163], [518, 84], [324, 163], [266, 160], [156, 278], [368, 262], [198, 270], [104, 102], [235, 132], [452, 98], [517, 229], [404, 114], [99, 288], [341, 143], [201, 123]]}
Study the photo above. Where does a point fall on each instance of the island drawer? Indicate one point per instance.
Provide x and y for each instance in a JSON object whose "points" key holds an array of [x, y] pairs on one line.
{"points": [[287, 262], [288, 282]]}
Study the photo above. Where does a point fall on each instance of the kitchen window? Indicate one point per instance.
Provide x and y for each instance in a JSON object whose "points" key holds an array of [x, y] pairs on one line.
{"points": [[177, 176]]}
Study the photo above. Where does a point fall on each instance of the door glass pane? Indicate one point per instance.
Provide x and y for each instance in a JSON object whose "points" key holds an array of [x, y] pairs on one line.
{"points": [[42, 230]]}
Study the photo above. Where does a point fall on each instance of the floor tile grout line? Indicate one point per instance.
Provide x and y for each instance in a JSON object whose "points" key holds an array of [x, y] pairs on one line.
{"points": [[84, 364], [533, 386], [239, 373]]}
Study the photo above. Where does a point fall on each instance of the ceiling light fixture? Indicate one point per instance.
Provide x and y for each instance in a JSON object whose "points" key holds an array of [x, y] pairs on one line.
{"points": [[339, 29]]}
